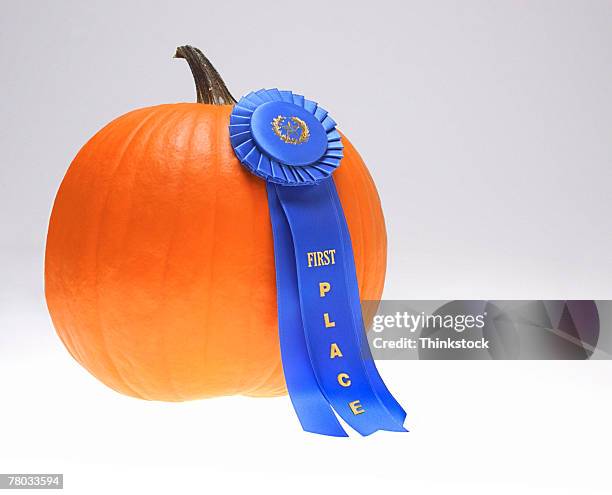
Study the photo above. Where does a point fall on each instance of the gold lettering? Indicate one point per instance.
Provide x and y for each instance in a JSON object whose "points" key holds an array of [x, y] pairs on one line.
{"points": [[321, 258], [344, 379], [310, 258], [324, 288], [356, 407], [328, 323], [332, 252], [334, 351]]}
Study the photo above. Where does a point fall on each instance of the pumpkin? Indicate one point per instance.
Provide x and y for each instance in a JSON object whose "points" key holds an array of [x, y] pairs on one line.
{"points": [[159, 267]]}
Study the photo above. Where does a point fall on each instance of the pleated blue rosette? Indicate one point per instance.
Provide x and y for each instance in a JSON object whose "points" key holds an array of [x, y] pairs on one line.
{"points": [[285, 138]]}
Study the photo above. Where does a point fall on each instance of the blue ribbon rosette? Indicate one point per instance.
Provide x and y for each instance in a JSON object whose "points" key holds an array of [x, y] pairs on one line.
{"points": [[293, 144]]}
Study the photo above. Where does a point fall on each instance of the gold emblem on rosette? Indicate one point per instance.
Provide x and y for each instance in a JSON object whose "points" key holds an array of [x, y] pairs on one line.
{"points": [[290, 130]]}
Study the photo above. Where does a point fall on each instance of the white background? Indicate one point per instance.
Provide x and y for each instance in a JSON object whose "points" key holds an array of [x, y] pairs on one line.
{"points": [[487, 127]]}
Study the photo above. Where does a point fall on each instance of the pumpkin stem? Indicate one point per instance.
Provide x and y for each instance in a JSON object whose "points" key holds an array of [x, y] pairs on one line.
{"points": [[210, 88]]}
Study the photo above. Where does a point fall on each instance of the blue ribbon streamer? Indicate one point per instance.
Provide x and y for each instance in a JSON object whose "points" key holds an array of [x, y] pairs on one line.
{"points": [[310, 220], [313, 410]]}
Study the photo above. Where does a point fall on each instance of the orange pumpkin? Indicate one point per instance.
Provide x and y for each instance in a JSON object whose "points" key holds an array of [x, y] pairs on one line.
{"points": [[159, 269]]}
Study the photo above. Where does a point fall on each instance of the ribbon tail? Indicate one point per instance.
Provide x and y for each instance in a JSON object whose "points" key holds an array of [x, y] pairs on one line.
{"points": [[313, 411], [377, 383], [350, 383]]}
